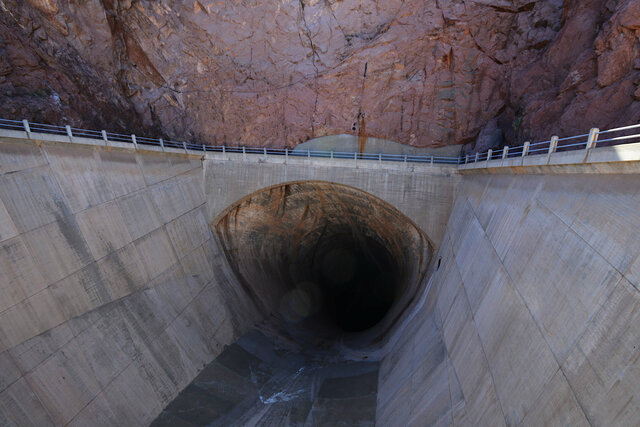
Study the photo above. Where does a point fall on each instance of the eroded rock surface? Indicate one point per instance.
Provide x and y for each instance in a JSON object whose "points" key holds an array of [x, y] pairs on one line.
{"points": [[279, 73]]}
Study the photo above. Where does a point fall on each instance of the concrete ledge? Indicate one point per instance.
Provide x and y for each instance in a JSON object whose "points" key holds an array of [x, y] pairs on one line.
{"points": [[40, 138], [251, 158], [328, 162], [616, 159]]}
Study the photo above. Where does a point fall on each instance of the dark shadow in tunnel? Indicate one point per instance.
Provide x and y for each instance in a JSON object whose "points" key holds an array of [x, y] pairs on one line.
{"points": [[357, 277], [335, 262]]}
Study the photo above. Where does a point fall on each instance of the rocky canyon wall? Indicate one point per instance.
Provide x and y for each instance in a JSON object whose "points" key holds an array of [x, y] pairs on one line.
{"points": [[278, 73]]}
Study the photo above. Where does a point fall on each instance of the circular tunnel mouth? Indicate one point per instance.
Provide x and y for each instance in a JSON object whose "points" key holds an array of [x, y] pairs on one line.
{"points": [[328, 258]]}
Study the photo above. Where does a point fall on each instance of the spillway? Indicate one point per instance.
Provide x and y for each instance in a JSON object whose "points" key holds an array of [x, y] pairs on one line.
{"points": [[331, 268], [143, 287]]}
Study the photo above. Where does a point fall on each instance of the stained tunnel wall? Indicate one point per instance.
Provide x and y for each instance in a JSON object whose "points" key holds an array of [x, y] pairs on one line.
{"points": [[357, 260]]}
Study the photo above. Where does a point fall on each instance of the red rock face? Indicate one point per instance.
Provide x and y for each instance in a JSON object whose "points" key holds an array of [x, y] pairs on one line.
{"points": [[586, 78], [425, 73]]}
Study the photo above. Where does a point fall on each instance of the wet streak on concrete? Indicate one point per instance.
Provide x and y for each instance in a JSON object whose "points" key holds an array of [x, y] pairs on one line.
{"points": [[95, 287]]}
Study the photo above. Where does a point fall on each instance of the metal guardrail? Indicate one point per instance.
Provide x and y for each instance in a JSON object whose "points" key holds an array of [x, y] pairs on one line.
{"points": [[587, 141], [106, 137]]}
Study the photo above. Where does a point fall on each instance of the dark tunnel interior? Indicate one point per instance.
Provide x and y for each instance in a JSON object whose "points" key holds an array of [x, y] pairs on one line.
{"points": [[356, 276], [329, 259]]}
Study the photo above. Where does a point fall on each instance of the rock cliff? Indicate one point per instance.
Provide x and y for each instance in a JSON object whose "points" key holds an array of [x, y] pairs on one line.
{"points": [[278, 73]]}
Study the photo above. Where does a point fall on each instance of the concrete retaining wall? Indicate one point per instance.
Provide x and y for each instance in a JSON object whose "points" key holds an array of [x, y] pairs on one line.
{"points": [[112, 292], [424, 193], [536, 301]]}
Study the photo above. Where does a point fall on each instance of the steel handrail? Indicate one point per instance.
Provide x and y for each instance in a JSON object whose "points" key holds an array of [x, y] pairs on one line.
{"points": [[106, 137], [550, 146], [536, 148]]}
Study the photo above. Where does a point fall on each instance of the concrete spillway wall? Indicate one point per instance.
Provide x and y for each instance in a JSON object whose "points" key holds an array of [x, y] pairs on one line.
{"points": [[115, 293], [423, 193], [112, 293], [532, 317]]}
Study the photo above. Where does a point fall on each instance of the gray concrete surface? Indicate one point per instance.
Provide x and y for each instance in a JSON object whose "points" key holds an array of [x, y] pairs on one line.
{"points": [[350, 143], [114, 293], [259, 381], [422, 192], [536, 301]]}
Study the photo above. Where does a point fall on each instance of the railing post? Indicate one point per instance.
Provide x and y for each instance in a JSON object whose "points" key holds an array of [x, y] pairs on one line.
{"points": [[505, 152], [223, 150], [69, 133], [135, 142], [244, 153], [380, 158], [431, 162], [27, 128], [332, 154], [489, 154], [591, 142], [308, 154], [162, 144], [466, 160], [204, 150], [553, 145], [477, 157], [525, 148], [264, 150], [184, 145], [104, 138], [593, 138], [405, 159]]}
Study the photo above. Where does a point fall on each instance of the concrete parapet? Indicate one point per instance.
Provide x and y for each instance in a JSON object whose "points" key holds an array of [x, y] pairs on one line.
{"points": [[615, 159]]}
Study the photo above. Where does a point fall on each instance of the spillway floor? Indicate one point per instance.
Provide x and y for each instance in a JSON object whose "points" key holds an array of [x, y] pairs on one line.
{"points": [[256, 381]]}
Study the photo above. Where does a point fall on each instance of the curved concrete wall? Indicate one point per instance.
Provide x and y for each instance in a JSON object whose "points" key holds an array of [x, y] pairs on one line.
{"points": [[422, 192], [532, 317], [113, 294], [350, 144]]}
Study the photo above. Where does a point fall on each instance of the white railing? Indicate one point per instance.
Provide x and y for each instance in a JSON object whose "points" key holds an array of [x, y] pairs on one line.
{"points": [[587, 141], [107, 137]]}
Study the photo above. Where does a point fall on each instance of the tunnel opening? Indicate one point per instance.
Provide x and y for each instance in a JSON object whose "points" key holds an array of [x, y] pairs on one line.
{"points": [[331, 260], [358, 279]]}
